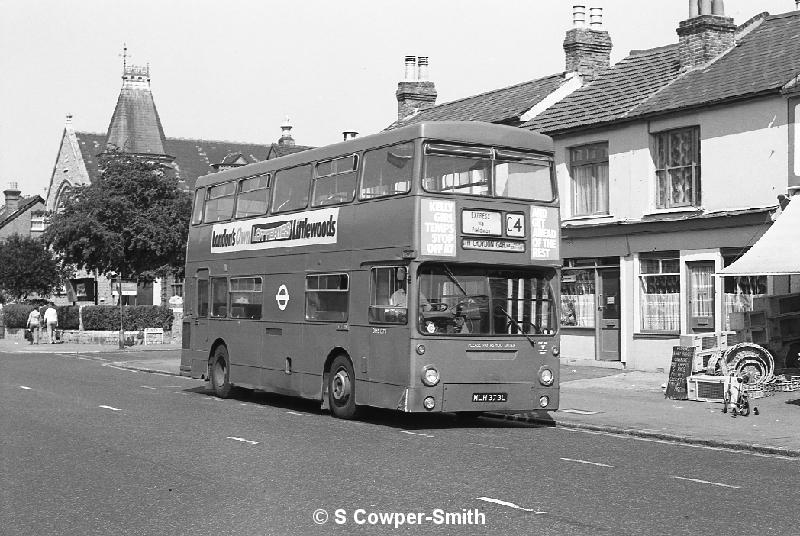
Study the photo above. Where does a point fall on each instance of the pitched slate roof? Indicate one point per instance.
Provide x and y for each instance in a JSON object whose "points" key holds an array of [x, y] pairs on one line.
{"points": [[762, 61], [135, 126], [649, 83], [504, 105], [614, 93], [25, 203], [193, 158]]}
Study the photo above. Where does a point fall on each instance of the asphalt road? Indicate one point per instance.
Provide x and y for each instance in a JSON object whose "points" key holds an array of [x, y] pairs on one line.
{"points": [[87, 448]]}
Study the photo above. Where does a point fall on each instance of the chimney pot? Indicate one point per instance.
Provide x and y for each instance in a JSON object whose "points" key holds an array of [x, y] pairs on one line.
{"points": [[693, 9], [579, 16], [718, 8], [409, 67], [705, 7], [595, 18], [422, 65]]}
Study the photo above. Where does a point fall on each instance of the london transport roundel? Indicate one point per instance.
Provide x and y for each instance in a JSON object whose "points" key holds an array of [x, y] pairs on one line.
{"points": [[282, 297]]}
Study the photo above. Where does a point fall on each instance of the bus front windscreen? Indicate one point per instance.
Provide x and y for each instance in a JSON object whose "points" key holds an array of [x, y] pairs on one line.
{"points": [[477, 301], [485, 171]]}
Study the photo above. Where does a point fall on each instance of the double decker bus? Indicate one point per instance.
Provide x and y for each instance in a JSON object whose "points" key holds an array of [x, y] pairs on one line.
{"points": [[414, 269]]}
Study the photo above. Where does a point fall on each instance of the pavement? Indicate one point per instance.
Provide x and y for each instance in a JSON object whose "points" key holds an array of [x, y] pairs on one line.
{"points": [[606, 400]]}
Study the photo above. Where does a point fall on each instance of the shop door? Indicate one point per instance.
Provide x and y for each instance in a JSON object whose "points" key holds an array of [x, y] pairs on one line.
{"points": [[608, 315], [701, 296]]}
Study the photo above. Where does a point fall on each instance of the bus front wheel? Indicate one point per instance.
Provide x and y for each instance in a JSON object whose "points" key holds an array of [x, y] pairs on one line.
{"points": [[342, 388], [220, 372]]}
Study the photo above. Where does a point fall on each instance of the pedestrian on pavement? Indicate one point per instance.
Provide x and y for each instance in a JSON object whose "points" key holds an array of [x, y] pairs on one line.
{"points": [[51, 319], [34, 321]]}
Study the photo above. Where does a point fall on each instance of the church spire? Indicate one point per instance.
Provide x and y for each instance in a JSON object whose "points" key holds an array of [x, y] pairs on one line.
{"points": [[135, 126]]}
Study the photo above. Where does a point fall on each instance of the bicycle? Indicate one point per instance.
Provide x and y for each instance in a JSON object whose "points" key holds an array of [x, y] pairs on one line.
{"points": [[736, 396]]}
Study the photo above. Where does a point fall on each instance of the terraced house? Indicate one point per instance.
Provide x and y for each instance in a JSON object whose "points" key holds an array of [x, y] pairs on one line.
{"points": [[670, 165]]}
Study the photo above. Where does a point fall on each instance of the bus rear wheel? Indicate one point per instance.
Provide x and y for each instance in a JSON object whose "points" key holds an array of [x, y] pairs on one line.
{"points": [[342, 388], [220, 372]]}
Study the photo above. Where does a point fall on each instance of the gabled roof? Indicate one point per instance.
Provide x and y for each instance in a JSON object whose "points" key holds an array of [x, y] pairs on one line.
{"points": [[614, 93], [193, 158], [649, 82], [504, 105], [25, 204], [762, 61]]}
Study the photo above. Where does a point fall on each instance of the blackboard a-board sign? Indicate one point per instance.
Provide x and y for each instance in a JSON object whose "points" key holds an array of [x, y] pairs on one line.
{"points": [[679, 371]]}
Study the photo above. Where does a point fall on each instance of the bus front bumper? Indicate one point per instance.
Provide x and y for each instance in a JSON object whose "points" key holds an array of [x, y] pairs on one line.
{"points": [[479, 397]]}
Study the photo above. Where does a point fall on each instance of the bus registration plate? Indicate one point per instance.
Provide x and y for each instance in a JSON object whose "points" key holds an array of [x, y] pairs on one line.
{"points": [[490, 397]]}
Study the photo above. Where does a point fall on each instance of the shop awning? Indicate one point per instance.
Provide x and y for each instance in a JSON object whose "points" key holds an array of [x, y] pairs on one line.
{"points": [[777, 252]]}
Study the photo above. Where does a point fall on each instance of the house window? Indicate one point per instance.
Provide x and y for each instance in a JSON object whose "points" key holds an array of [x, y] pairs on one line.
{"points": [[659, 292], [589, 170], [739, 291], [677, 159], [37, 223], [578, 298], [327, 297]]}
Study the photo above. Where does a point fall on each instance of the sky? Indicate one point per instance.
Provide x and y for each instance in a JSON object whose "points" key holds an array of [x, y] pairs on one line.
{"points": [[235, 70]]}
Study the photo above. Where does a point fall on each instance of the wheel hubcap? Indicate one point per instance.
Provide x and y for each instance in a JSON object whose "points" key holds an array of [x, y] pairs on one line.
{"points": [[340, 387], [219, 373]]}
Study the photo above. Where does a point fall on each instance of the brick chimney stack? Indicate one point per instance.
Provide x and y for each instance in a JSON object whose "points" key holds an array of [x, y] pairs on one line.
{"points": [[705, 35], [587, 50], [12, 198], [415, 92]]}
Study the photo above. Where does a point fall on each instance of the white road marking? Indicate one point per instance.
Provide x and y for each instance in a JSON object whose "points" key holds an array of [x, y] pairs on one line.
{"points": [[148, 387], [579, 411], [110, 407], [26, 387], [83, 358], [707, 482], [586, 462], [510, 505], [416, 433], [295, 413], [488, 446], [119, 368], [243, 440]]}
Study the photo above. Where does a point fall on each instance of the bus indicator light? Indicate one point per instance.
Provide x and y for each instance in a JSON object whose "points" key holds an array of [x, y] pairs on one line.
{"points": [[429, 403], [421, 349], [430, 376], [546, 377], [544, 401]]}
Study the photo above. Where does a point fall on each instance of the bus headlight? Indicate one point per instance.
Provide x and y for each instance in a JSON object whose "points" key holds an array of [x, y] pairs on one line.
{"points": [[420, 349], [543, 401], [430, 376], [429, 403], [546, 377]]}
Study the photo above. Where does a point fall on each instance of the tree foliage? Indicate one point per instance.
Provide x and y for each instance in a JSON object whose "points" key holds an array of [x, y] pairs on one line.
{"points": [[27, 267], [132, 220]]}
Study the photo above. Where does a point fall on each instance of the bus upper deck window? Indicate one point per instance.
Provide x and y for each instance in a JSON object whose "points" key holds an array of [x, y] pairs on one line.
{"points": [[335, 181], [197, 211], [523, 176], [455, 169], [387, 171], [219, 202], [253, 196], [291, 188]]}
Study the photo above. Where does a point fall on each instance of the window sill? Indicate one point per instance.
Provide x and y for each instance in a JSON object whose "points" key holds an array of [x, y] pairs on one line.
{"points": [[663, 335], [577, 329], [587, 218], [677, 210]]}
